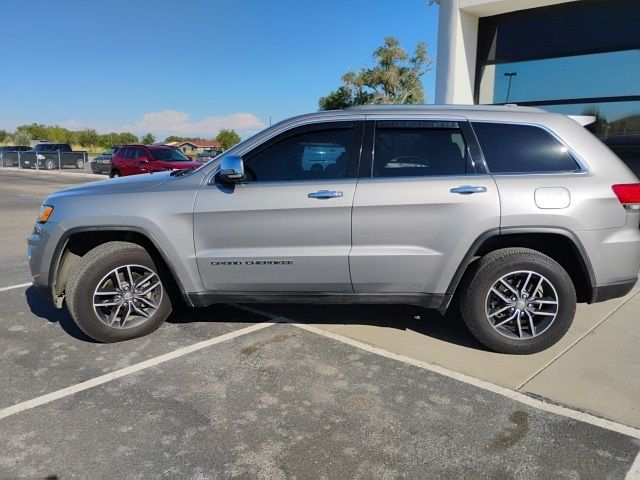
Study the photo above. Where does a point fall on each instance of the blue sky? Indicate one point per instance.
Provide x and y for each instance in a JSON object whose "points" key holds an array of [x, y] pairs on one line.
{"points": [[190, 67]]}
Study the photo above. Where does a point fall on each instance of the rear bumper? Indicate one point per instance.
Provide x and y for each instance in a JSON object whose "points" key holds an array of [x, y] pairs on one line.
{"points": [[602, 293]]}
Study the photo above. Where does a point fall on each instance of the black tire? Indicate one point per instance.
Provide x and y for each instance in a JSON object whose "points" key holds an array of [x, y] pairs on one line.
{"points": [[80, 163], [487, 271], [93, 266], [49, 165], [115, 174]]}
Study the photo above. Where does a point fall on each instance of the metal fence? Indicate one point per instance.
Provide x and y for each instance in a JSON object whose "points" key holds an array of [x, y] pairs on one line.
{"points": [[76, 162]]}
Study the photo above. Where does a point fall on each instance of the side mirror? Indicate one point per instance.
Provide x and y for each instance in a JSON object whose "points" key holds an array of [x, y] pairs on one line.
{"points": [[143, 159], [231, 169]]}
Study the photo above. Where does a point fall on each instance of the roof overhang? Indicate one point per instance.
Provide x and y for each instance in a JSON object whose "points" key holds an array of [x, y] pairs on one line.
{"points": [[487, 8]]}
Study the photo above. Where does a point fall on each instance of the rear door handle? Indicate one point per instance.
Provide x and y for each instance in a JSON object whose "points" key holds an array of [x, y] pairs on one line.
{"points": [[468, 189], [325, 194]]}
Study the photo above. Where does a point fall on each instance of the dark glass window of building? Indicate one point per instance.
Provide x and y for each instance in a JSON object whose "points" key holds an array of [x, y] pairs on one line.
{"points": [[585, 60], [510, 148]]}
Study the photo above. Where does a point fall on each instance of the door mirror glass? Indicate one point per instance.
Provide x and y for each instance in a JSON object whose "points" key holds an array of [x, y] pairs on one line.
{"points": [[231, 169]]}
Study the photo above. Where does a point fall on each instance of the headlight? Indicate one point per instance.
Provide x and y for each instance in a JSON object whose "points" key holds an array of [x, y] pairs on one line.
{"points": [[40, 157], [45, 213]]}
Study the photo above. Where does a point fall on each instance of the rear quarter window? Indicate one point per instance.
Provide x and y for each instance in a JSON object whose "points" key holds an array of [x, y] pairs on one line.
{"points": [[513, 148]]}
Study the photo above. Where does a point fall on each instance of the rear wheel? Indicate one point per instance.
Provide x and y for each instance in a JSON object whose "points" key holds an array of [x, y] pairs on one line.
{"points": [[80, 163], [114, 174], [518, 301], [116, 293]]}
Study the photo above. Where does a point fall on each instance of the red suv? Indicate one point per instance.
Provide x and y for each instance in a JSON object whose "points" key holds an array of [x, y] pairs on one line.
{"points": [[135, 159]]}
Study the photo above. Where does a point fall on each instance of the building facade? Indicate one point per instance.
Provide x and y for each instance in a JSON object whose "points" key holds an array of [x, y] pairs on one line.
{"points": [[578, 57]]}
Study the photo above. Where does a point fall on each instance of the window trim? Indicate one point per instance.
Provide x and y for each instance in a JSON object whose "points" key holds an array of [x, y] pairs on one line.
{"points": [[353, 163], [583, 167], [475, 164]]}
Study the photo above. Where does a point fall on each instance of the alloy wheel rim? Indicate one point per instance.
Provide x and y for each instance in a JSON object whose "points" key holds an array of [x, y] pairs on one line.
{"points": [[127, 296], [522, 305]]}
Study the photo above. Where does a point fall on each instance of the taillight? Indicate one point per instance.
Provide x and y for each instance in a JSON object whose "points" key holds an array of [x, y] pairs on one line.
{"points": [[629, 195]]}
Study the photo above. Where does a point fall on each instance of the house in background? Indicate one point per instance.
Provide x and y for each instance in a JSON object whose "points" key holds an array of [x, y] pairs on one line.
{"points": [[194, 147]]}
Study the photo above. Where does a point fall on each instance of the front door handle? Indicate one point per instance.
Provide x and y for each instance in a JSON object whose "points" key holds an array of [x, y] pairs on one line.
{"points": [[468, 189], [325, 194]]}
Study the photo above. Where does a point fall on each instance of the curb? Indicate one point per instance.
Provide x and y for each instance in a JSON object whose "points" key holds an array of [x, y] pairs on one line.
{"points": [[55, 173]]}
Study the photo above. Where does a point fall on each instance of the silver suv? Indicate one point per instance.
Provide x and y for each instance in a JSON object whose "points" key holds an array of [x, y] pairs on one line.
{"points": [[515, 213]]}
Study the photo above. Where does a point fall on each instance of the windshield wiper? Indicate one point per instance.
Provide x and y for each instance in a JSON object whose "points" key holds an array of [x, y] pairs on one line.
{"points": [[182, 171]]}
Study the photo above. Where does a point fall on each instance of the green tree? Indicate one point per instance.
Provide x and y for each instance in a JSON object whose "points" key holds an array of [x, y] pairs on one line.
{"points": [[126, 138], [148, 139], [88, 137], [395, 79], [228, 138], [21, 137], [3, 135], [35, 131]]}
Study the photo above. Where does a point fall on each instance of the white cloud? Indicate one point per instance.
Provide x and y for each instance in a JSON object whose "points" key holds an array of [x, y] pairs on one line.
{"points": [[173, 122]]}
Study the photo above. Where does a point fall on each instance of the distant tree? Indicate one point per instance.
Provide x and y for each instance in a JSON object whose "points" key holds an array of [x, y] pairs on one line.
{"points": [[228, 138], [21, 137], [126, 137], [88, 137], [3, 135], [148, 139], [395, 79], [175, 138], [35, 131]]}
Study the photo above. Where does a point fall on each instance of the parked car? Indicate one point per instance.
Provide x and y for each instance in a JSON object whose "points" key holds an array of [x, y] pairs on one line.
{"points": [[9, 154], [50, 156], [207, 155], [516, 213], [102, 163], [136, 159]]}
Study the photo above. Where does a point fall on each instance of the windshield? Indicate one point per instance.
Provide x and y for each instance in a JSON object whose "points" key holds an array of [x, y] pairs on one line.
{"points": [[169, 155]]}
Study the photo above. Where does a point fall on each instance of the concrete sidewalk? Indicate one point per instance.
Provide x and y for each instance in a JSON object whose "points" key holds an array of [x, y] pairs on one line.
{"points": [[594, 368]]}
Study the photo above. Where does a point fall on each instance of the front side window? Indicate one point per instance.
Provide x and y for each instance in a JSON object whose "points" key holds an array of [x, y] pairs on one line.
{"points": [[417, 148], [512, 148], [318, 154], [169, 155]]}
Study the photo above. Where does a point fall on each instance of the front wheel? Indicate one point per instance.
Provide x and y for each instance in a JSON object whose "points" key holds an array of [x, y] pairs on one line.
{"points": [[116, 293], [518, 301], [114, 174]]}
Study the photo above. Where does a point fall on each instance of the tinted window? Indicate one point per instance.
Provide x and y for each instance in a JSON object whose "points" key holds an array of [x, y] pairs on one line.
{"points": [[311, 155], [522, 149], [44, 147], [169, 155], [405, 149]]}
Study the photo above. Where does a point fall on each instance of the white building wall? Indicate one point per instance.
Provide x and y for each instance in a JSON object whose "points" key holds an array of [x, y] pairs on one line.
{"points": [[458, 42]]}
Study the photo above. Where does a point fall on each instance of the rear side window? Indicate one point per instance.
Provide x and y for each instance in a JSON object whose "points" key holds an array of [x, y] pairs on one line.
{"points": [[511, 148], [418, 148]]}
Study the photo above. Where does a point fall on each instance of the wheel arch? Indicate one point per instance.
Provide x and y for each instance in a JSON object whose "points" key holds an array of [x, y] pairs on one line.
{"points": [[78, 241], [558, 243]]}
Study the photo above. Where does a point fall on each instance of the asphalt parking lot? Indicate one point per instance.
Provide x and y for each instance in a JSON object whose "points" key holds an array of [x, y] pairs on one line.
{"points": [[284, 392]]}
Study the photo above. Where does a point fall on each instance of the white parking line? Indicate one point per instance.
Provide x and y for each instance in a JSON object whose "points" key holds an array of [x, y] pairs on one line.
{"points": [[65, 392], [634, 471], [476, 382], [13, 287]]}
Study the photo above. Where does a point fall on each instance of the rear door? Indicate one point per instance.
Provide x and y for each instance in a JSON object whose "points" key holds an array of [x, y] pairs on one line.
{"points": [[421, 202], [287, 228]]}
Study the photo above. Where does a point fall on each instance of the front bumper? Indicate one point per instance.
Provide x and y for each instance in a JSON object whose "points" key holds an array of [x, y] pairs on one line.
{"points": [[100, 168], [41, 245]]}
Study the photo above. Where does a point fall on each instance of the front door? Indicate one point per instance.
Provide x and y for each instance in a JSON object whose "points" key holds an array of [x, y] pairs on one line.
{"points": [[420, 204], [287, 227]]}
